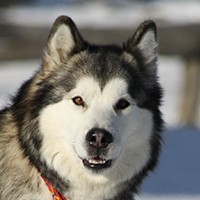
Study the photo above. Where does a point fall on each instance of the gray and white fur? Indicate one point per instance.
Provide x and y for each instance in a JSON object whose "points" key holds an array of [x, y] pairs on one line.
{"points": [[88, 120]]}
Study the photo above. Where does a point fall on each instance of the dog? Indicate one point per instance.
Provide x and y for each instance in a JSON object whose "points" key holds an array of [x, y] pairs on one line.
{"points": [[87, 124]]}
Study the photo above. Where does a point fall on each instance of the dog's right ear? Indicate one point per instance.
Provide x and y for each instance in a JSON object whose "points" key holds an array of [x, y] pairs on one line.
{"points": [[64, 40]]}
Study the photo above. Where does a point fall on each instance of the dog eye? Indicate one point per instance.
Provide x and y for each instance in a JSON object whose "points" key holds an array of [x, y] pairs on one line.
{"points": [[78, 101], [122, 104]]}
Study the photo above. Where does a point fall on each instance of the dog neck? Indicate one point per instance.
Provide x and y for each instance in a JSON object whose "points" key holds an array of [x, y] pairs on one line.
{"points": [[55, 194]]}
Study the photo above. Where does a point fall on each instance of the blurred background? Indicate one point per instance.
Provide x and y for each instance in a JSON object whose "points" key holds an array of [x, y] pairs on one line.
{"points": [[24, 28]]}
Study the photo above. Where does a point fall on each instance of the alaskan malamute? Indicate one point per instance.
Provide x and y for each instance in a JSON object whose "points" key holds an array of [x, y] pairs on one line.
{"points": [[87, 125]]}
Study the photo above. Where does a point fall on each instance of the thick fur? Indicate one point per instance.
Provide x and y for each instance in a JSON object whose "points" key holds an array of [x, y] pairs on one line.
{"points": [[44, 131]]}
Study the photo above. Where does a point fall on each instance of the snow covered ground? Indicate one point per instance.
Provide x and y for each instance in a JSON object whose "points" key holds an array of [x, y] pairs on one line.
{"points": [[178, 175]]}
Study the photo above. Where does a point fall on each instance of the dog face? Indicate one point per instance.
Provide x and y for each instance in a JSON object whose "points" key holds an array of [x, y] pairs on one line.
{"points": [[98, 115], [97, 130]]}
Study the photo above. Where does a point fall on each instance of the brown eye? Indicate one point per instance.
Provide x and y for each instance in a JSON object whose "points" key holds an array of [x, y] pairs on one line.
{"points": [[78, 101], [122, 104]]}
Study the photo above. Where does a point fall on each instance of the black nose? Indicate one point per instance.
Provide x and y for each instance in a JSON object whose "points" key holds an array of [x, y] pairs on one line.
{"points": [[99, 138]]}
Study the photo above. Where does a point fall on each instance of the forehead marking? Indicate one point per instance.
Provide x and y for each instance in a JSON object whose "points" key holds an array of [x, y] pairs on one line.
{"points": [[115, 87]]}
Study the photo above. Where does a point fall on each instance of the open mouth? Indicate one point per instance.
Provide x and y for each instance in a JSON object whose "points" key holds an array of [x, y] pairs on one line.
{"points": [[97, 163]]}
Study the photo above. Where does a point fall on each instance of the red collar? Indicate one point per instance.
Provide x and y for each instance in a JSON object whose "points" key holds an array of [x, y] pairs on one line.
{"points": [[55, 194]]}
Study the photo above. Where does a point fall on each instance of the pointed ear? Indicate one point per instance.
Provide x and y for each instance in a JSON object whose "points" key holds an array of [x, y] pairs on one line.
{"points": [[145, 41], [64, 40]]}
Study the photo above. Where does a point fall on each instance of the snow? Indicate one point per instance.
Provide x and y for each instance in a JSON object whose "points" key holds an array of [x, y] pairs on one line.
{"points": [[171, 72], [99, 14], [12, 75]]}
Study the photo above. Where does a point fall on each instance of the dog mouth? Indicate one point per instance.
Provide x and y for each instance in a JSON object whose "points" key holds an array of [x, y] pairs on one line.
{"points": [[97, 163]]}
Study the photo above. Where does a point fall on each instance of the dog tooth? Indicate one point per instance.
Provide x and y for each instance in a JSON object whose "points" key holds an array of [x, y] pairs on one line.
{"points": [[92, 161], [103, 161]]}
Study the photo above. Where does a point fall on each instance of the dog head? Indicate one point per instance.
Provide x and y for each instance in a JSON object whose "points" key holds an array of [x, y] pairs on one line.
{"points": [[97, 107]]}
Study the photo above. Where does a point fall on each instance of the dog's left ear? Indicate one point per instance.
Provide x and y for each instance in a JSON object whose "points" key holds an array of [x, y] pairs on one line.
{"points": [[144, 41], [64, 40]]}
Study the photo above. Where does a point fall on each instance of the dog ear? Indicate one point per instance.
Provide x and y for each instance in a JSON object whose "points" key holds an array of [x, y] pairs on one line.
{"points": [[144, 41], [64, 40]]}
